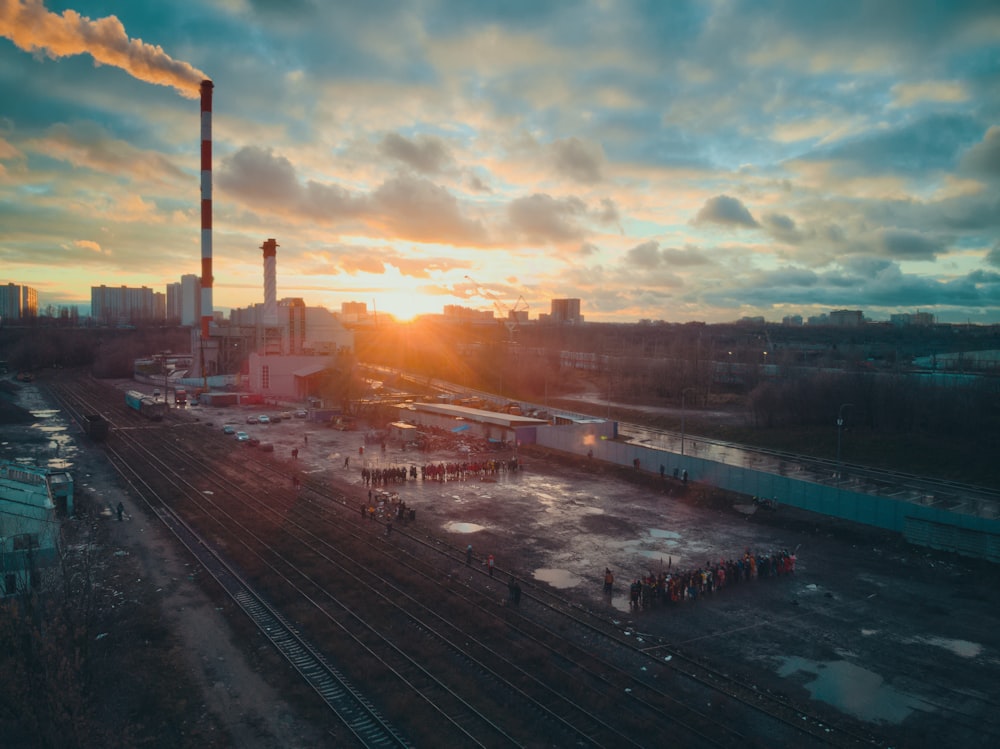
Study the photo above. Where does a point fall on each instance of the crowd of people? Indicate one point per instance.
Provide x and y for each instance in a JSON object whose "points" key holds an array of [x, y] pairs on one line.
{"points": [[477, 469], [672, 586]]}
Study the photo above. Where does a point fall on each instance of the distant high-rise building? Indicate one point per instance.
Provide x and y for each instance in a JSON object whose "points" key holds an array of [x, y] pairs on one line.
{"points": [[174, 301], [190, 299], [18, 302], [846, 318], [793, 320], [904, 319], [565, 311], [126, 305], [184, 300], [458, 313], [353, 308]]}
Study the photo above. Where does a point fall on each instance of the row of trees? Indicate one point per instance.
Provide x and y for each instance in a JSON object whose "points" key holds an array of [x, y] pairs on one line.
{"points": [[106, 353], [689, 364]]}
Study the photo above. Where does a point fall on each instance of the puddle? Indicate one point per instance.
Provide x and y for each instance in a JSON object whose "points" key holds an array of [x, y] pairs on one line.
{"points": [[962, 648], [621, 603], [49, 429], [557, 578], [853, 690], [657, 533], [463, 527]]}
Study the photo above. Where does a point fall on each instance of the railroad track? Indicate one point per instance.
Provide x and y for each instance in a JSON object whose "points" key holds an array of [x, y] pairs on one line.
{"points": [[574, 676]]}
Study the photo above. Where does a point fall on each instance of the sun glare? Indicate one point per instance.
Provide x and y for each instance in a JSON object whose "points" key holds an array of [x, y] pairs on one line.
{"points": [[405, 305]]}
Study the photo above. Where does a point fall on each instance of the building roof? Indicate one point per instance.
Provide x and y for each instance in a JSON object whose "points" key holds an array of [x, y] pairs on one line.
{"points": [[477, 414], [310, 370]]}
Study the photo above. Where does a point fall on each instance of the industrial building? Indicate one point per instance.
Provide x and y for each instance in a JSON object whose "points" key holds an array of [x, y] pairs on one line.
{"points": [[32, 501], [282, 350], [490, 425]]}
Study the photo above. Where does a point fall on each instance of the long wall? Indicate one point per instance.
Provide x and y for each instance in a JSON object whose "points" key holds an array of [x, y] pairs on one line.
{"points": [[946, 528]]}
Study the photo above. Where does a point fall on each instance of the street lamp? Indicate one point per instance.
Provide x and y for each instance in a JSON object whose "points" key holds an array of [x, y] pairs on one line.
{"points": [[683, 412], [840, 426]]}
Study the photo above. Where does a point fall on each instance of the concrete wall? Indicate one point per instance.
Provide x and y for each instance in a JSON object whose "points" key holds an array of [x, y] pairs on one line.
{"points": [[959, 528]]}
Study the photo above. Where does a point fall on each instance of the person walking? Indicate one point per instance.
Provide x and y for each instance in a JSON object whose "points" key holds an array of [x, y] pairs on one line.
{"points": [[468, 554], [489, 564], [121, 511]]}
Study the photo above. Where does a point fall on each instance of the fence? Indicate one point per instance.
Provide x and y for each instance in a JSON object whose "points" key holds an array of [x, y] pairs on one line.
{"points": [[950, 528]]}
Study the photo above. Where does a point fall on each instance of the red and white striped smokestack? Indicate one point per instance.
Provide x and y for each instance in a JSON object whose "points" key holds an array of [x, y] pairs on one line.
{"points": [[270, 248], [206, 206]]}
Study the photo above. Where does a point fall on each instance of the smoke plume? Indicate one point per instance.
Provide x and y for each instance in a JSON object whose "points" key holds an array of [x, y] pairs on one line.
{"points": [[34, 29]]}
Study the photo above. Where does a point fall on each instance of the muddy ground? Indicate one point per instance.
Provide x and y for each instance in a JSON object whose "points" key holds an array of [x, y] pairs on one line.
{"points": [[903, 638]]}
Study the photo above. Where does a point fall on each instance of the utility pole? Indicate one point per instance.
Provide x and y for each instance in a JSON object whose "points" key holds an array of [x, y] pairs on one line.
{"points": [[683, 413], [840, 426]]}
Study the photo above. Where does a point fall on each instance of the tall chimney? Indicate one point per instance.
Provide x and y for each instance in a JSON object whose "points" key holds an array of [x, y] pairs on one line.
{"points": [[270, 248], [206, 207]]}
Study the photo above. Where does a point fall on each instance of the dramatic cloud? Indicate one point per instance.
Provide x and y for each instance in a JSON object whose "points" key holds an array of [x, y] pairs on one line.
{"points": [[88, 145], [578, 160], [725, 210], [645, 255], [270, 182], [983, 159], [87, 244], [906, 245], [993, 256], [542, 218], [417, 209], [782, 227], [606, 151], [425, 154]]}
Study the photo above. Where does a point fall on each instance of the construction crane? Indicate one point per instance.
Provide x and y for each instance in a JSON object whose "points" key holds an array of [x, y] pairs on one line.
{"points": [[509, 316]]}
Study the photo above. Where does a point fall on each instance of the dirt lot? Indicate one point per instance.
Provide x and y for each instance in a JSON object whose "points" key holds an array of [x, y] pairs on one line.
{"points": [[903, 638]]}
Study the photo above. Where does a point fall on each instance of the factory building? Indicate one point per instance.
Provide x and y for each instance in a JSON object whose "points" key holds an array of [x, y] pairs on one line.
{"points": [[283, 349], [32, 501]]}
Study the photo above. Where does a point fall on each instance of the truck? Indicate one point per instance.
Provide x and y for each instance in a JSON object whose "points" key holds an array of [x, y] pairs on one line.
{"points": [[180, 397], [216, 399]]}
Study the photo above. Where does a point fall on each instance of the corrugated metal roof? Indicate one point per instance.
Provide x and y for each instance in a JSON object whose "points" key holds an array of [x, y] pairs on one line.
{"points": [[310, 370]]}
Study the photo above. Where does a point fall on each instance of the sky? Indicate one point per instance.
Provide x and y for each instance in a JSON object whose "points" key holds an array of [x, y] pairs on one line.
{"points": [[677, 161]]}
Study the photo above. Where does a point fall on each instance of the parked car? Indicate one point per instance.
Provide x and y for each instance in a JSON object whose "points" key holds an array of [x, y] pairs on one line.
{"points": [[242, 437], [267, 447], [276, 419], [263, 419], [252, 419], [301, 414], [253, 441], [287, 415], [228, 429]]}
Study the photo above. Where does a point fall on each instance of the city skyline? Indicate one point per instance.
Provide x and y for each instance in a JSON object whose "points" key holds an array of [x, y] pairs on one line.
{"points": [[680, 161]]}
